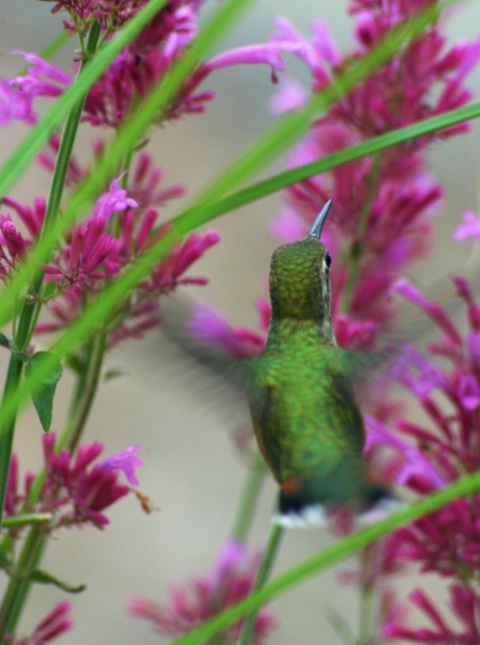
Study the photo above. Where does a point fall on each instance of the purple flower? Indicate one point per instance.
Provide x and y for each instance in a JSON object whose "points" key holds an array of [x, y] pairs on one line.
{"points": [[125, 460], [12, 246], [415, 464], [209, 325], [469, 228], [13, 104], [146, 61], [190, 604], [18, 93], [111, 14], [465, 606], [56, 623], [381, 210], [76, 490]]}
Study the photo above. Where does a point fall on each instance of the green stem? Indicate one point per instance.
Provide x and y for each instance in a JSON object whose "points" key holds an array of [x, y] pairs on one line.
{"points": [[19, 584], [368, 563], [266, 567], [249, 498], [32, 303], [96, 354]]}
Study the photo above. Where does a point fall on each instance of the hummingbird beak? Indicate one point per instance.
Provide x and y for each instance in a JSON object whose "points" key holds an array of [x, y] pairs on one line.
{"points": [[317, 225]]}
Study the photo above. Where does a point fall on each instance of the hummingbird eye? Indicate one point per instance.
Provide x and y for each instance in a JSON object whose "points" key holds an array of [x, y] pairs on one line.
{"points": [[328, 260]]}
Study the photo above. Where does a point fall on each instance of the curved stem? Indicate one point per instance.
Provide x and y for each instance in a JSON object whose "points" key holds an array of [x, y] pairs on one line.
{"points": [[266, 567]]}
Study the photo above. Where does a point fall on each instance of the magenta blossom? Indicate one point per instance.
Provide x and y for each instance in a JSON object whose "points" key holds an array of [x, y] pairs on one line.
{"points": [[381, 209], [18, 94], [76, 491], [469, 228], [83, 13], [12, 246], [150, 56], [190, 604], [465, 605], [208, 325], [125, 460], [55, 624]]}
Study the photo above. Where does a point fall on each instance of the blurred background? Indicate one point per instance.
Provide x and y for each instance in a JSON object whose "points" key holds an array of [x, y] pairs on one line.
{"points": [[191, 471]]}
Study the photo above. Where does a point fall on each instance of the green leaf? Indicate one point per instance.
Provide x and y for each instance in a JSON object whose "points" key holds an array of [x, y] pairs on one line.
{"points": [[45, 578], [42, 394], [4, 342]]}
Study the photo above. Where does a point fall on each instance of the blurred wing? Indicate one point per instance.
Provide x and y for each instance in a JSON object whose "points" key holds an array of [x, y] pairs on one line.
{"points": [[206, 336]]}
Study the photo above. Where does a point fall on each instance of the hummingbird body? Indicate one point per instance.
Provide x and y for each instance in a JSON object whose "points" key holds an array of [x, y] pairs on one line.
{"points": [[305, 416]]}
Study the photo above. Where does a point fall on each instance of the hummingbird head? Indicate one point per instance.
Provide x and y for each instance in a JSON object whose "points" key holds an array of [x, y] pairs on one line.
{"points": [[300, 279]]}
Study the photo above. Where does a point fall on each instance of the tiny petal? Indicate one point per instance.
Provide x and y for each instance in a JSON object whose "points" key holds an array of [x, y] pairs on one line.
{"points": [[469, 228], [125, 460]]}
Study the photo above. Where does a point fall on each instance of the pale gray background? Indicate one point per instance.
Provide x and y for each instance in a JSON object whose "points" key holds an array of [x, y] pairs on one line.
{"points": [[191, 471]]}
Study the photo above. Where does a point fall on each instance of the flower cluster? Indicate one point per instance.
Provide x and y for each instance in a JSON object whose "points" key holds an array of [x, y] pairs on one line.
{"points": [[379, 226], [146, 60], [231, 579], [434, 455], [92, 255], [379, 223], [75, 491]]}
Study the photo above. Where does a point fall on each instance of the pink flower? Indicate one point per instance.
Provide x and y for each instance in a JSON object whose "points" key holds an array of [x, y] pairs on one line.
{"points": [[12, 246], [125, 460], [209, 325], [76, 490], [56, 623], [13, 104], [190, 604], [146, 61], [111, 14], [469, 228], [18, 94], [465, 606]]}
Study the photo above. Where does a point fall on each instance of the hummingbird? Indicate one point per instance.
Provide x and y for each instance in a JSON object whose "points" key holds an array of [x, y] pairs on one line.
{"points": [[305, 416], [306, 420]]}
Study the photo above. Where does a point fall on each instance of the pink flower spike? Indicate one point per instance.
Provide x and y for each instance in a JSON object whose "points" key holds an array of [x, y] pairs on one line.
{"points": [[193, 602], [469, 228], [125, 460]]}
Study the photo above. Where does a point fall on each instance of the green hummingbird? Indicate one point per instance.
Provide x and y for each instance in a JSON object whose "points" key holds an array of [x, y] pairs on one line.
{"points": [[307, 423], [306, 420]]}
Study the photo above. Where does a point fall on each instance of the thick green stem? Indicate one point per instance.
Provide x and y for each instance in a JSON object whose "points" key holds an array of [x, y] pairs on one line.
{"points": [[266, 567], [32, 303], [249, 499]]}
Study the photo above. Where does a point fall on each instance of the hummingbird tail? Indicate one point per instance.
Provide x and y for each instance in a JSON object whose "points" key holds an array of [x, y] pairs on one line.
{"points": [[310, 501]]}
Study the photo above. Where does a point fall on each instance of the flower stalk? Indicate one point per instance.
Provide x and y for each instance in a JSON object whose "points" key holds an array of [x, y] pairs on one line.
{"points": [[32, 303]]}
